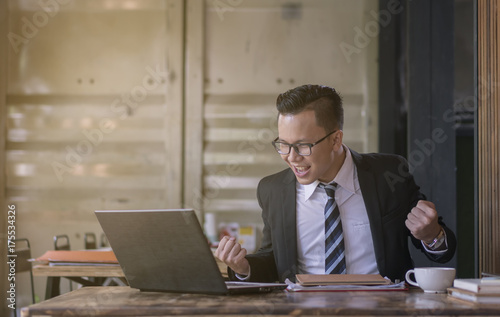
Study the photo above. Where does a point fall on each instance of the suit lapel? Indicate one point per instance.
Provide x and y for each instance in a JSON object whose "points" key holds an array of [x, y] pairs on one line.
{"points": [[370, 197], [289, 221]]}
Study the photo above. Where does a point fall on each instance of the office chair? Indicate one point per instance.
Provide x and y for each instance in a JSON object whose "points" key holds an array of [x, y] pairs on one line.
{"points": [[104, 241], [110, 281], [58, 242], [61, 242], [23, 254], [90, 241]]}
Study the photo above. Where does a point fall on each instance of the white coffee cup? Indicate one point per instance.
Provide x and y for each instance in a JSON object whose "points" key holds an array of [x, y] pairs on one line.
{"points": [[432, 279]]}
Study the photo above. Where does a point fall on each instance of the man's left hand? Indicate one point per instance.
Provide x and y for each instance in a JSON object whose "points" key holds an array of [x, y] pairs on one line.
{"points": [[422, 221]]}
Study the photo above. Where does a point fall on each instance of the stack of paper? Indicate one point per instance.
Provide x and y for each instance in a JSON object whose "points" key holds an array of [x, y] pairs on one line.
{"points": [[485, 291], [341, 279], [342, 282]]}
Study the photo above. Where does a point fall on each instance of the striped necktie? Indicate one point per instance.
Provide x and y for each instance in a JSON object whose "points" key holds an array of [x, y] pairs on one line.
{"points": [[334, 239]]}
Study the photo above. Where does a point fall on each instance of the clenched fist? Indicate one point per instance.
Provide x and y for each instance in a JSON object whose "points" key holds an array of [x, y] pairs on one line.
{"points": [[230, 252], [422, 221]]}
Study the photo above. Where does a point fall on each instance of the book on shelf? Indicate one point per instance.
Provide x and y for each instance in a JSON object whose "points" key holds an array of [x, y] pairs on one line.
{"points": [[493, 298], [478, 285]]}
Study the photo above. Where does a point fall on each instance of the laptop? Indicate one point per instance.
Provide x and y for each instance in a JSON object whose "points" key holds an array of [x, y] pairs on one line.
{"points": [[166, 250]]}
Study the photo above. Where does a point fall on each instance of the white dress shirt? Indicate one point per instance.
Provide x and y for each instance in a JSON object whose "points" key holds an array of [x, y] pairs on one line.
{"points": [[311, 201]]}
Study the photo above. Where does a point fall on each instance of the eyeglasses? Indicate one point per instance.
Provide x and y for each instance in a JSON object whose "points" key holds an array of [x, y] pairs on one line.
{"points": [[303, 149]]}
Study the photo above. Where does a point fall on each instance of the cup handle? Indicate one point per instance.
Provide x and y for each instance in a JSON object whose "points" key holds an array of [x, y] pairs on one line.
{"points": [[408, 279]]}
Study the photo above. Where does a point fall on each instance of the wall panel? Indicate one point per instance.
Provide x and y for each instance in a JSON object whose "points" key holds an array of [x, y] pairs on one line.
{"points": [[94, 114], [488, 130], [255, 50]]}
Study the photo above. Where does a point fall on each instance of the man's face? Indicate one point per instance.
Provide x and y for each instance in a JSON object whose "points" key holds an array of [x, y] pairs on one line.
{"points": [[302, 128]]}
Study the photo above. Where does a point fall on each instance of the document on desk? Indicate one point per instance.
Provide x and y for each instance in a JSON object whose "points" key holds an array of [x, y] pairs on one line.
{"points": [[341, 279], [295, 287], [87, 257]]}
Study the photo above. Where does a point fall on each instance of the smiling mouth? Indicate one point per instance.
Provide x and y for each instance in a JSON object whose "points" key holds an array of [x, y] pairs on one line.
{"points": [[301, 170]]}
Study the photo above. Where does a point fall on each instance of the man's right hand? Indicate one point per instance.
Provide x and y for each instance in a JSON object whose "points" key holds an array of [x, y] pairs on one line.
{"points": [[230, 252]]}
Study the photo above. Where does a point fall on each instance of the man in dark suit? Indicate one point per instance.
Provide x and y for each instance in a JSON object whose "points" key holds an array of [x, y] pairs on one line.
{"points": [[379, 204]]}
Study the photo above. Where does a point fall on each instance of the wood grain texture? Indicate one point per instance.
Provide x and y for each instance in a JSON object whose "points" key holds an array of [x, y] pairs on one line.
{"points": [[124, 301], [488, 117], [78, 271]]}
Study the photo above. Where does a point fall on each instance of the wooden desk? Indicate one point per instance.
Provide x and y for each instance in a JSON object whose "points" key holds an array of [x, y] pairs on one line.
{"points": [[124, 301], [74, 273]]}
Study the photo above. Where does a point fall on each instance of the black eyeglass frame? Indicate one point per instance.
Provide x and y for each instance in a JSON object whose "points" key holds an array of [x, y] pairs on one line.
{"points": [[295, 145]]}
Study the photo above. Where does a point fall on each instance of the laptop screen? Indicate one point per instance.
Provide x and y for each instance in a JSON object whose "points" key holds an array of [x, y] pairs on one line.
{"points": [[162, 250]]}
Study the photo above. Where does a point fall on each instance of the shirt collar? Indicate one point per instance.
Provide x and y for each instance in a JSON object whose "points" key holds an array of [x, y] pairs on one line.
{"points": [[344, 178]]}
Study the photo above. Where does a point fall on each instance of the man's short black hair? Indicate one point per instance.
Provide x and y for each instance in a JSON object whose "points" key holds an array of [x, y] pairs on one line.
{"points": [[324, 100]]}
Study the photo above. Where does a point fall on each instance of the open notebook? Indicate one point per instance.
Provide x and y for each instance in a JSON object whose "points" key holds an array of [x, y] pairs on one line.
{"points": [[166, 250]]}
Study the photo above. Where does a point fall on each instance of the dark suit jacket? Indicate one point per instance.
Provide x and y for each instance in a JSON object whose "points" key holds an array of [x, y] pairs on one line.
{"points": [[389, 193]]}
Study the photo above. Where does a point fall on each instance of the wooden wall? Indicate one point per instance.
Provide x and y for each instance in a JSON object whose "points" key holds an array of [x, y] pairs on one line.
{"points": [[275, 46], [488, 135], [200, 138], [93, 104]]}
